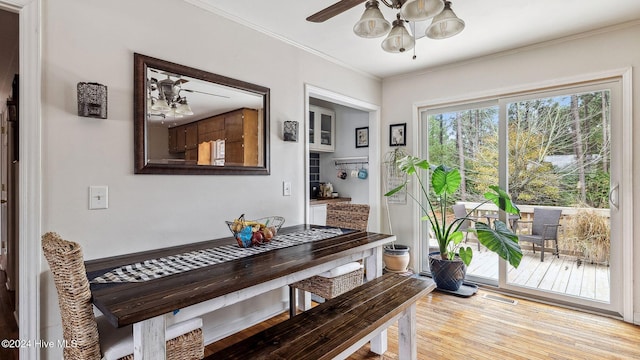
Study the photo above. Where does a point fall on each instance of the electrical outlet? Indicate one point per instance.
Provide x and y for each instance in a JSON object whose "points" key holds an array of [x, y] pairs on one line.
{"points": [[286, 188]]}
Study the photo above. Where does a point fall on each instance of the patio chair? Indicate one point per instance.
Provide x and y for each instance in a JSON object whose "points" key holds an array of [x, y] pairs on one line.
{"points": [[544, 227], [460, 211], [92, 337], [343, 278]]}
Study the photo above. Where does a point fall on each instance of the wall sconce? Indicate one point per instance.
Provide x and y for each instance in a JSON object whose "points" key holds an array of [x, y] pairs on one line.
{"points": [[291, 131], [92, 100]]}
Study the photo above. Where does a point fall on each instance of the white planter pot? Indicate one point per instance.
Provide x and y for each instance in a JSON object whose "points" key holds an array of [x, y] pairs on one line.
{"points": [[396, 258]]}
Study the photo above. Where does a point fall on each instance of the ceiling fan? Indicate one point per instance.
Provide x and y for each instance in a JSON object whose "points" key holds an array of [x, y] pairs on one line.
{"points": [[168, 100], [171, 88], [333, 10], [372, 24]]}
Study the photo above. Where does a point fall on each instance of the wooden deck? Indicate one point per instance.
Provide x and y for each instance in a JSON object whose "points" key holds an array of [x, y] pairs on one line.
{"points": [[563, 275]]}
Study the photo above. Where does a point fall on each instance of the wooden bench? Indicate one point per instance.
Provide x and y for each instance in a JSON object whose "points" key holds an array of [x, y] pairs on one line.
{"points": [[342, 325]]}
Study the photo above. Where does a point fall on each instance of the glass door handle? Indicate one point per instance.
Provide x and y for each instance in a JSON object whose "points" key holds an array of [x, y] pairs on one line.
{"points": [[613, 200]]}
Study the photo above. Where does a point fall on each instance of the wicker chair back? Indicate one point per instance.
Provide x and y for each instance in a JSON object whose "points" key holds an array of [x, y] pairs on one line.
{"points": [[79, 325], [348, 216]]}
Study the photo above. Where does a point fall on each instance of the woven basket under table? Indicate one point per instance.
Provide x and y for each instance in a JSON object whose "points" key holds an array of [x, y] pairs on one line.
{"points": [[329, 288]]}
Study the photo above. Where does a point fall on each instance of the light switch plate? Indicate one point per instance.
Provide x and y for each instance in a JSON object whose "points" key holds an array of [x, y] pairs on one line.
{"points": [[286, 188], [98, 197]]}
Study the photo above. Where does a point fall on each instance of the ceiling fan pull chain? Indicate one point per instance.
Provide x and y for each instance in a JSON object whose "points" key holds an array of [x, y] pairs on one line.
{"points": [[414, 40]]}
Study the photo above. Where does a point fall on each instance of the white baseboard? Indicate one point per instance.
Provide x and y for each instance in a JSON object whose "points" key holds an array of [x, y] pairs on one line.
{"points": [[216, 330], [636, 318]]}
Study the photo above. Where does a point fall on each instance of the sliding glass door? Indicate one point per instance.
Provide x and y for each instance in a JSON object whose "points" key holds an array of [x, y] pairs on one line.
{"points": [[555, 151], [466, 137]]}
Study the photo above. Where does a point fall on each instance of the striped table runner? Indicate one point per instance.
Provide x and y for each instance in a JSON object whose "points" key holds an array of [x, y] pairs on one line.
{"points": [[174, 264]]}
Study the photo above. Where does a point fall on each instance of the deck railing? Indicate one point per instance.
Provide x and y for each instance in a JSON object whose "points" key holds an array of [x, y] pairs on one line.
{"points": [[588, 244]]}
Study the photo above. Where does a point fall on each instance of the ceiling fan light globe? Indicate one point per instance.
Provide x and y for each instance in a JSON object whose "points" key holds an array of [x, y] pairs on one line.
{"points": [[419, 10], [399, 40], [173, 112], [184, 109], [161, 105], [372, 24], [445, 25]]}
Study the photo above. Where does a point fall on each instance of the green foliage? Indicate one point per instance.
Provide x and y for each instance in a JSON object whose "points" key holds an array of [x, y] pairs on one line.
{"points": [[445, 182], [501, 241], [598, 189], [538, 130]]}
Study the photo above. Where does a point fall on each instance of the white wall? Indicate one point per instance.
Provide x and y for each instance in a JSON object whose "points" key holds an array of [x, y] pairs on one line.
{"points": [[95, 41], [159, 147], [578, 56]]}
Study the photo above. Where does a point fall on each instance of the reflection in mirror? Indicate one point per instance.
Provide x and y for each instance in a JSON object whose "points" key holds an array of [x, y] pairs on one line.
{"points": [[193, 122]]}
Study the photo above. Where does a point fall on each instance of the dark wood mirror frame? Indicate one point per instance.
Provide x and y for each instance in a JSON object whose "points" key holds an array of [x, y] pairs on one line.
{"points": [[142, 166]]}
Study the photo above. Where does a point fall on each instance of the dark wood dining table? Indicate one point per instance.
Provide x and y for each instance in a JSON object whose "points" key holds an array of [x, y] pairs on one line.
{"points": [[145, 304]]}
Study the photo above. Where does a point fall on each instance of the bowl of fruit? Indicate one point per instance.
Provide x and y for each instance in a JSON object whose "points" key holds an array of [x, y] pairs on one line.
{"points": [[255, 232]]}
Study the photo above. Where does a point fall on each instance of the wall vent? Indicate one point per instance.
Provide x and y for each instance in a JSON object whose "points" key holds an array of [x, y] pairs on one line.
{"points": [[500, 299]]}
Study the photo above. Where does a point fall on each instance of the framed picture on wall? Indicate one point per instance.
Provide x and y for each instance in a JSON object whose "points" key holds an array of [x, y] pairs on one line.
{"points": [[397, 134], [362, 137]]}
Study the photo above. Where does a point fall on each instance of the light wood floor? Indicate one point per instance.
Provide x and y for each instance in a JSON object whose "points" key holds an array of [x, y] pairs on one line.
{"points": [[451, 327]]}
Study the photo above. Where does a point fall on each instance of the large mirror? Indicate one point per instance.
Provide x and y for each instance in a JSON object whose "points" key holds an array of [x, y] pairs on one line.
{"points": [[189, 121]]}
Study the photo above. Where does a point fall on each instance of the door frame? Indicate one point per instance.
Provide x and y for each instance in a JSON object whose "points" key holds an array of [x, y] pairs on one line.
{"points": [[30, 172], [374, 144]]}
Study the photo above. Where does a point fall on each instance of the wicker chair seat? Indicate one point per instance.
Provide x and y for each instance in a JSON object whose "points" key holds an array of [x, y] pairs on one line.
{"points": [[328, 288], [342, 215]]}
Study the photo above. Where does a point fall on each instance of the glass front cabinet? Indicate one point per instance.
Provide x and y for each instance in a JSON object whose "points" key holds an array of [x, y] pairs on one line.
{"points": [[322, 125]]}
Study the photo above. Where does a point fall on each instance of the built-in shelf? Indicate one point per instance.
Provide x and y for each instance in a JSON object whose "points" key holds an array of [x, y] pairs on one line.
{"points": [[351, 160]]}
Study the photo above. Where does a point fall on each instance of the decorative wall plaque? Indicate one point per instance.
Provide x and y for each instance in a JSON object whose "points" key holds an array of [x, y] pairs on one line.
{"points": [[92, 100], [291, 131]]}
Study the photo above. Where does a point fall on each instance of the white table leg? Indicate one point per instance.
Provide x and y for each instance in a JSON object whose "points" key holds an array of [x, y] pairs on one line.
{"points": [[149, 339], [373, 269], [304, 300], [407, 346], [373, 264]]}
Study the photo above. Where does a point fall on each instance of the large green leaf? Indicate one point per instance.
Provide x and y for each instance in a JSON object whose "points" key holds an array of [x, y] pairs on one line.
{"points": [[408, 164], [456, 237], [445, 180], [396, 189], [501, 241], [501, 199], [466, 254]]}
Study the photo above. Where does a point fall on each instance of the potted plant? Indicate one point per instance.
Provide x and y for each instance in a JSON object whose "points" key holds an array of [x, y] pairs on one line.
{"points": [[396, 257], [448, 266]]}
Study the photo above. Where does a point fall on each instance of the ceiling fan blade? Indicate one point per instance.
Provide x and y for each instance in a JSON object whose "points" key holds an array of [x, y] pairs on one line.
{"points": [[333, 10], [206, 93], [164, 72]]}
